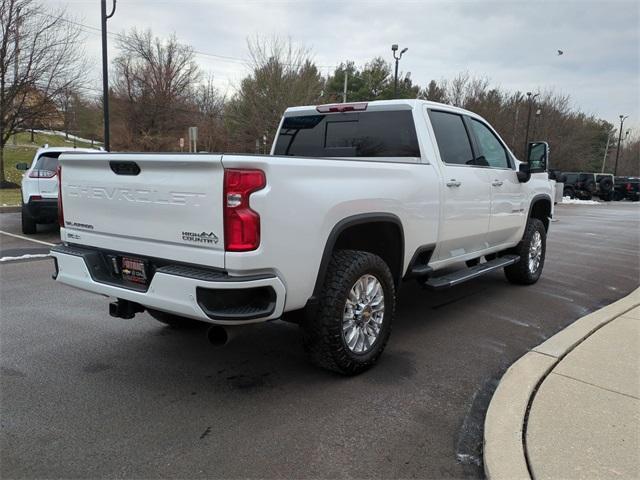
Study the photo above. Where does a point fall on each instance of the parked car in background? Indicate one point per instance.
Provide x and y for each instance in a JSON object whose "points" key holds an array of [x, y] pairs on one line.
{"points": [[578, 185], [627, 188], [40, 186], [585, 185]]}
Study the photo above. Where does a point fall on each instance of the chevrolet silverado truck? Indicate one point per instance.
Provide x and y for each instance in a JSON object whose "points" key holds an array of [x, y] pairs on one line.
{"points": [[353, 199]]}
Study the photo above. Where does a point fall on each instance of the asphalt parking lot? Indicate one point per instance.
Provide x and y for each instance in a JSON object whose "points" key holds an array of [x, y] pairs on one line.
{"points": [[87, 395]]}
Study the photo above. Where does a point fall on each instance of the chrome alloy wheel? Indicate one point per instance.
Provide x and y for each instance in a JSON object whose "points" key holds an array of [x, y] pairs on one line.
{"points": [[535, 252], [363, 314]]}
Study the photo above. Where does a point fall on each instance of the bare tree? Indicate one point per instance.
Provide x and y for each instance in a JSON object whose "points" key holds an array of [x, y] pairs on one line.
{"points": [[210, 107], [153, 90], [281, 75], [41, 56]]}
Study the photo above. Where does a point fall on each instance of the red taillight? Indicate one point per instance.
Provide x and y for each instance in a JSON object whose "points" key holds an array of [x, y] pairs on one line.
{"points": [[342, 107], [35, 197], [241, 224], [60, 211], [629, 187]]}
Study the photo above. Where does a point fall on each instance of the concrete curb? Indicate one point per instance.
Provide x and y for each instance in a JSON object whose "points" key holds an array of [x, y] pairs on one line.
{"points": [[504, 450], [10, 209]]}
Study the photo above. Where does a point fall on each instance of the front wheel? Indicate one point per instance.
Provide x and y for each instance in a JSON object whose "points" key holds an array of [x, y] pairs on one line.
{"points": [[532, 249], [352, 324]]}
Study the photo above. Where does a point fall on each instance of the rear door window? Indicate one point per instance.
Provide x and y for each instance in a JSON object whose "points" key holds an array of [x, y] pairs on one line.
{"points": [[452, 138], [361, 134]]}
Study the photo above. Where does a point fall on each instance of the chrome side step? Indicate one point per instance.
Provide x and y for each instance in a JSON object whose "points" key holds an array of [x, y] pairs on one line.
{"points": [[460, 276]]}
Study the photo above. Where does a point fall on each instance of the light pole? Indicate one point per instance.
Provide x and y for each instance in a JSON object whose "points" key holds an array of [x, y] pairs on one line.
{"points": [[394, 49], [105, 70], [530, 99], [615, 167]]}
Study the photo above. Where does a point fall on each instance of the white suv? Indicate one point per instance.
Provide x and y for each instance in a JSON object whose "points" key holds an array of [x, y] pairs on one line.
{"points": [[40, 186]]}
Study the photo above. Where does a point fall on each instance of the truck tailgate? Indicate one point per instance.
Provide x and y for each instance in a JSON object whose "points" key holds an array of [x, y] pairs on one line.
{"points": [[162, 205]]}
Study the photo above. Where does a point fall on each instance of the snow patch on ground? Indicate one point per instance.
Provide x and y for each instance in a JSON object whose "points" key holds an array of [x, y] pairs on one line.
{"points": [[575, 201], [24, 257]]}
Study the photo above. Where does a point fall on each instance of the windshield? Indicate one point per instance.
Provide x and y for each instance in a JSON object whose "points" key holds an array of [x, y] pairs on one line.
{"points": [[362, 134]]}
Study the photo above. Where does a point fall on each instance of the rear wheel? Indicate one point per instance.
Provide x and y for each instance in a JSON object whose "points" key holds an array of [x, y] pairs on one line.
{"points": [[532, 249], [174, 321], [352, 324], [28, 224]]}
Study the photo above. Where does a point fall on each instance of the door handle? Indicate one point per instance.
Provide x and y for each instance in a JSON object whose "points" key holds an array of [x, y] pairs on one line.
{"points": [[497, 183], [453, 183]]}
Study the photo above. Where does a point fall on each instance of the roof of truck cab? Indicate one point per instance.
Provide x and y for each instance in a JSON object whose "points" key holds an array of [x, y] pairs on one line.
{"points": [[380, 105]]}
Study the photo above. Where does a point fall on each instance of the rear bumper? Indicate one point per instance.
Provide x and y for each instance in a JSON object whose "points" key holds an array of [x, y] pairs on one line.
{"points": [[43, 211], [198, 293]]}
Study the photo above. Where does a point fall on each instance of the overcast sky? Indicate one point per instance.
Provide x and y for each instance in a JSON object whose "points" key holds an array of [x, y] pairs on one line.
{"points": [[514, 43]]}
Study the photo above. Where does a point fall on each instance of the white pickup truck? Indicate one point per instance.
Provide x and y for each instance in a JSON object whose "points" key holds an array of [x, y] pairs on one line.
{"points": [[353, 199]]}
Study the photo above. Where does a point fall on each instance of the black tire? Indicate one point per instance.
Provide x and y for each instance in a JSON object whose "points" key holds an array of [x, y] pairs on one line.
{"points": [[569, 192], [520, 273], [322, 330], [29, 226], [606, 185], [583, 195], [618, 196], [174, 321]]}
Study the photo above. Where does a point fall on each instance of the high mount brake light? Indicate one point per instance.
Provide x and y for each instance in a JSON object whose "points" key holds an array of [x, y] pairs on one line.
{"points": [[60, 211], [241, 224], [342, 107]]}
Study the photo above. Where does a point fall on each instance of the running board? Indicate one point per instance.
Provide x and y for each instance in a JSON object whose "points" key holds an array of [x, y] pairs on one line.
{"points": [[460, 276]]}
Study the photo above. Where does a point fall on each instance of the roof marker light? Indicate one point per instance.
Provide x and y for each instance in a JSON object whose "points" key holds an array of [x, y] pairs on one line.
{"points": [[342, 107]]}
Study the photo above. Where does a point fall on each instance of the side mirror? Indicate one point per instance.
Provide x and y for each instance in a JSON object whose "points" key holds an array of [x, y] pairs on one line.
{"points": [[538, 157], [523, 173], [22, 166]]}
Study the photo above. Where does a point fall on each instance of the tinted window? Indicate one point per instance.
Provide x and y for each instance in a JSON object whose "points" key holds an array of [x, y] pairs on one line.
{"points": [[491, 153], [585, 177], [362, 134], [451, 136], [47, 161]]}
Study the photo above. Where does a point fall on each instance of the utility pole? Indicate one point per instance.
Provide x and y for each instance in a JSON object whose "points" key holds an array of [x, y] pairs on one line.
{"points": [[515, 125], [606, 151], [105, 71], [394, 49], [615, 168], [16, 63], [344, 91], [530, 99]]}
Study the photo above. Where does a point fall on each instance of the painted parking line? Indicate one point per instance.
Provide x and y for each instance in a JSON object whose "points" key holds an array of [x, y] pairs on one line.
{"points": [[26, 238], [25, 257]]}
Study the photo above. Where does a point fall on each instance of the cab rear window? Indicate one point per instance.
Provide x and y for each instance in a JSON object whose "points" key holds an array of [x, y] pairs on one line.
{"points": [[361, 134]]}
